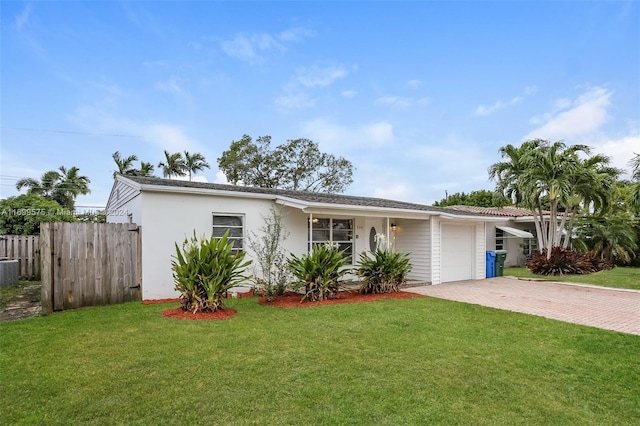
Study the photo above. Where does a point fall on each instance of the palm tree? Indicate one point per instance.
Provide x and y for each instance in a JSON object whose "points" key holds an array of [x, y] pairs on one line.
{"points": [[611, 238], [540, 170], [173, 165], [71, 185], [62, 186], [195, 163], [125, 165], [146, 169], [635, 190], [44, 187]]}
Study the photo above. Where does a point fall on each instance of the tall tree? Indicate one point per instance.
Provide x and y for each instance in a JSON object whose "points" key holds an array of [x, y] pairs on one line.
{"points": [[539, 169], [298, 165], [173, 165], [62, 185], [146, 169], [635, 190], [195, 163], [479, 198], [124, 165]]}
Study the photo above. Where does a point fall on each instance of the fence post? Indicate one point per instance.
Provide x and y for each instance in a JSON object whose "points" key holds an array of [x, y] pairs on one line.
{"points": [[46, 269]]}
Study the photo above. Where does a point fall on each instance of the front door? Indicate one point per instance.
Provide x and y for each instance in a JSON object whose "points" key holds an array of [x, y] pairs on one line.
{"points": [[373, 226]]}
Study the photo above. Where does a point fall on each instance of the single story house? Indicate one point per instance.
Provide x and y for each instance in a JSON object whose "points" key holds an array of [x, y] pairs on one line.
{"points": [[443, 244], [515, 232]]}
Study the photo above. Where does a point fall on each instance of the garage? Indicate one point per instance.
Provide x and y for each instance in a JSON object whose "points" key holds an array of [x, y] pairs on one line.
{"points": [[457, 252]]}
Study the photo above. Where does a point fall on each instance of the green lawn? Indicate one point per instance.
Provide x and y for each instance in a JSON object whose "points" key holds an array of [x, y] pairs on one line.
{"points": [[616, 277], [413, 361]]}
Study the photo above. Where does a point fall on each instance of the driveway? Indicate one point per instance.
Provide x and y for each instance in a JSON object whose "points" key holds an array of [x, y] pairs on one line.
{"points": [[606, 308]]}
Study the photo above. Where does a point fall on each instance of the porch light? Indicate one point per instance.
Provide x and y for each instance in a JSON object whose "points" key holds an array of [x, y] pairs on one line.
{"points": [[393, 227]]}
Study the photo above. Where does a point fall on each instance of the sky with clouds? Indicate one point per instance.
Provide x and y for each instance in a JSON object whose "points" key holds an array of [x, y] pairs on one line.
{"points": [[419, 96]]}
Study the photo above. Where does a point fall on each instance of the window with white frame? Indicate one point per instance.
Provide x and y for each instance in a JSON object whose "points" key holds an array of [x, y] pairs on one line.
{"points": [[530, 244], [499, 239], [234, 223], [338, 232]]}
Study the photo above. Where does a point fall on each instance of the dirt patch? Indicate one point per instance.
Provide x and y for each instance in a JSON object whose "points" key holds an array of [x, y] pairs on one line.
{"points": [[220, 314], [25, 305], [293, 300]]}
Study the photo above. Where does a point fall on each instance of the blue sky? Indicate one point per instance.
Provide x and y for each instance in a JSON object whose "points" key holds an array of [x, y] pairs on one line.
{"points": [[418, 95]]}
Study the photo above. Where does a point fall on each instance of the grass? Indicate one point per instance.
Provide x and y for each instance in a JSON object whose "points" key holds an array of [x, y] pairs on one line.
{"points": [[7, 294], [618, 277], [413, 361]]}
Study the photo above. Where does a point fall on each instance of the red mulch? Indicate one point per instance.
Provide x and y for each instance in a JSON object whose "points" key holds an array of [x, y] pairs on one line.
{"points": [[292, 300], [288, 300], [178, 313]]}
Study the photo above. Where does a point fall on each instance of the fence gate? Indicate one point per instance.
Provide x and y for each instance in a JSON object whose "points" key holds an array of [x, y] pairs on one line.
{"points": [[87, 264]]}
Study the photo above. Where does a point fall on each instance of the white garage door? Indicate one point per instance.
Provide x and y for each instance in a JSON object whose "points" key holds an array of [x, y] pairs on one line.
{"points": [[457, 253]]}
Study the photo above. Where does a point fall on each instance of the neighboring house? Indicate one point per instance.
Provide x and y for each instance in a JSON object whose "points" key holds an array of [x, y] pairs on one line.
{"points": [[443, 244], [515, 233]]}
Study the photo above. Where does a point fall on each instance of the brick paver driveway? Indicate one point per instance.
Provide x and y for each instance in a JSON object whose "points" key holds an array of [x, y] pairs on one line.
{"points": [[610, 309]]}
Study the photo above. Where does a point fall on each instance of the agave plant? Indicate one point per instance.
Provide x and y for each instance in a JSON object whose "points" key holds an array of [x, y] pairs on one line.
{"points": [[319, 272], [204, 270], [384, 272]]}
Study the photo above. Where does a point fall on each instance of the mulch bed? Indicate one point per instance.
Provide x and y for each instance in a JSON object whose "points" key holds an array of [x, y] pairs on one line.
{"points": [[288, 300], [293, 300]]}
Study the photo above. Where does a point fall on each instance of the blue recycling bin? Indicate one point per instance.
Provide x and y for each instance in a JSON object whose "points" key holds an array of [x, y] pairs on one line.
{"points": [[491, 264]]}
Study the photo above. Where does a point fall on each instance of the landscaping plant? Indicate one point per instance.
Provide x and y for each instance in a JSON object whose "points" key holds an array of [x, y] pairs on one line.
{"points": [[272, 275], [204, 270], [565, 261], [319, 272], [385, 272]]}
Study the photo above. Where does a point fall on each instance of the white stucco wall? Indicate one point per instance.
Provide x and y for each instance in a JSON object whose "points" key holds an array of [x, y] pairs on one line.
{"points": [[171, 217], [513, 245]]}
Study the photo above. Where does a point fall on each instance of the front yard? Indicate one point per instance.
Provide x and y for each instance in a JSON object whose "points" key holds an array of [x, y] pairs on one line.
{"points": [[617, 277], [413, 361]]}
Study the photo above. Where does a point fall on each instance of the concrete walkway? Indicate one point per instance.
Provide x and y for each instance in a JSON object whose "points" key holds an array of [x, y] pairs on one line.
{"points": [[606, 308]]}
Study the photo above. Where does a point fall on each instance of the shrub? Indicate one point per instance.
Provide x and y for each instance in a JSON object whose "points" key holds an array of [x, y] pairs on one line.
{"points": [[204, 270], [319, 272], [565, 261], [385, 272], [274, 276]]}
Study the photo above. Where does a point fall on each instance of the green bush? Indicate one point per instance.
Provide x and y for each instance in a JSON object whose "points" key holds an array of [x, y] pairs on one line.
{"points": [[385, 272], [319, 272], [204, 270]]}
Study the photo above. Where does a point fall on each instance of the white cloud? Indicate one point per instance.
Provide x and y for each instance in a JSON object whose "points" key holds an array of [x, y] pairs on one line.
{"points": [[295, 34], [101, 118], [220, 177], [23, 17], [587, 114], [291, 101], [620, 150], [348, 94], [398, 191], [171, 85], [320, 76], [400, 102], [251, 47], [484, 110], [414, 84], [339, 138]]}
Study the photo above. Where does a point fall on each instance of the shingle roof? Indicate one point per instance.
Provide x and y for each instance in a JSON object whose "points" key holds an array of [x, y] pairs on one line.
{"points": [[304, 196], [508, 211]]}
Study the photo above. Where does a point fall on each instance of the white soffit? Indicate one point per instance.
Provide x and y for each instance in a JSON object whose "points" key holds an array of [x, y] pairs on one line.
{"points": [[516, 232]]}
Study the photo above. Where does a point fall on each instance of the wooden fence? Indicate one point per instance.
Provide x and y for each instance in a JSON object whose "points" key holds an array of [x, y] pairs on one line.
{"points": [[26, 250], [86, 264]]}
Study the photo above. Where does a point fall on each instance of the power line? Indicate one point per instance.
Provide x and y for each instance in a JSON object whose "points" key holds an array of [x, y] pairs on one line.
{"points": [[69, 132]]}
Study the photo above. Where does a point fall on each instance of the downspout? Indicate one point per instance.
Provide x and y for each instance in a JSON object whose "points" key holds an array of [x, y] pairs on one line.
{"points": [[310, 248]]}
